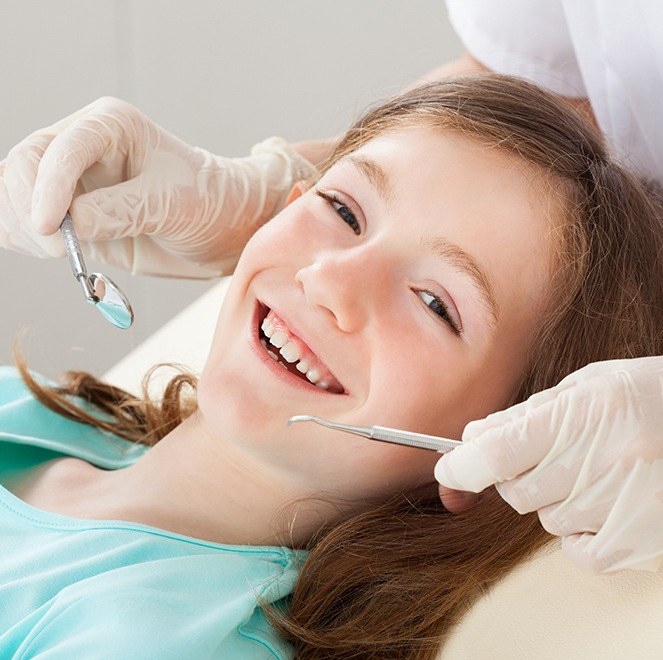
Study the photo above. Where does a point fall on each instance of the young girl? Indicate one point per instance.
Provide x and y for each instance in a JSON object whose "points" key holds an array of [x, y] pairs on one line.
{"points": [[469, 243]]}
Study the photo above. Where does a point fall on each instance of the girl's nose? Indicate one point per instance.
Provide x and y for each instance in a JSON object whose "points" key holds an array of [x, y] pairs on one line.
{"points": [[350, 285]]}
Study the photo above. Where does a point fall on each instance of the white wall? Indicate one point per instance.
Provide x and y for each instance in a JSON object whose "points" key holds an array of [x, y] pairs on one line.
{"points": [[219, 74]]}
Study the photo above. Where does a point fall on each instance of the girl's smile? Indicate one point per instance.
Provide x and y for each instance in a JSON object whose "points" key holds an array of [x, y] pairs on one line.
{"points": [[287, 355]]}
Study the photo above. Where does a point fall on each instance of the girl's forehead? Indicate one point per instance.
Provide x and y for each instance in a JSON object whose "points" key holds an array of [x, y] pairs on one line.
{"points": [[441, 162], [431, 149]]}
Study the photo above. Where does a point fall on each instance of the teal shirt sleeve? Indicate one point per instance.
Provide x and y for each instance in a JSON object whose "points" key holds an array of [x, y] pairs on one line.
{"points": [[127, 623], [26, 422], [144, 615], [134, 623]]}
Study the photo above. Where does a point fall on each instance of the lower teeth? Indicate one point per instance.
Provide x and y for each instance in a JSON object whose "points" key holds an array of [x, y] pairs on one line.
{"points": [[271, 354]]}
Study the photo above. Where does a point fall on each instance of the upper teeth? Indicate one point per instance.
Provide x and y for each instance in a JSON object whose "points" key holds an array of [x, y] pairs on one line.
{"points": [[290, 352], [278, 338], [267, 328]]}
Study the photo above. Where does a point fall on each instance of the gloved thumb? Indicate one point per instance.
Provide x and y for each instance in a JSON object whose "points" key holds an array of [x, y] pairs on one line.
{"points": [[500, 447]]}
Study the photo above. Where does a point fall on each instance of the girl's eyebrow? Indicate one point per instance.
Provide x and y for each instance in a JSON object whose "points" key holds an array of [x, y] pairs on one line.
{"points": [[375, 173], [460, 260], [467, 265]]}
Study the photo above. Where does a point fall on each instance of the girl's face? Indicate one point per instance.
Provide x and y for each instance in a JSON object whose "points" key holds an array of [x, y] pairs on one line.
{"points": [[410, 278]]}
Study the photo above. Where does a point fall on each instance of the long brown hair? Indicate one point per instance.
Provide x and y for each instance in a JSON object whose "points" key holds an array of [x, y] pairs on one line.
{"points": [[391, 581]]}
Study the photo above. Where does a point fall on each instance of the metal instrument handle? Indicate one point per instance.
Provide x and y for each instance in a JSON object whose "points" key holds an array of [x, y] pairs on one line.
{"points": [[413, 439], [75, 255]]}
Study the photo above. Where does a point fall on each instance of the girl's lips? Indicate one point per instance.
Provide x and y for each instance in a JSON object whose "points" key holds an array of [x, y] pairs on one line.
{"points": [[282, 342], [284, 375]]}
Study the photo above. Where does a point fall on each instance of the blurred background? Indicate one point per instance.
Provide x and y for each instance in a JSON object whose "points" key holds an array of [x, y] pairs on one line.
{"points": [[221, 75]]}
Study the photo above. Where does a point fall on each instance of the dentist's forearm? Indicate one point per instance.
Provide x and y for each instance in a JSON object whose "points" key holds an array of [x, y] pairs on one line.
{"points": [[468, 64], [464, 64]]}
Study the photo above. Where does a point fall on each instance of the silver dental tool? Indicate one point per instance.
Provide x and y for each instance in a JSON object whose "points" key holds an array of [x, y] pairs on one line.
{"points": [[99, 290], [384, 434]]}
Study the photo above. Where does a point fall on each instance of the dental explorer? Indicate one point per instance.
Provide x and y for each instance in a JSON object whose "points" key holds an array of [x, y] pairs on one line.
{"points": [[99, 290], [385, 434]]}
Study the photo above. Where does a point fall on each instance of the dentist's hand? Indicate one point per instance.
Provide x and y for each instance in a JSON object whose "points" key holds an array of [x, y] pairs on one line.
{"points": [[586, 455], [140, 198]]}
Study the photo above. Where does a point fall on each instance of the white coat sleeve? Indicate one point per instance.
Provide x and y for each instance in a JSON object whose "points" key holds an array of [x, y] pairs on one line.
{"points": [[525, 38]]}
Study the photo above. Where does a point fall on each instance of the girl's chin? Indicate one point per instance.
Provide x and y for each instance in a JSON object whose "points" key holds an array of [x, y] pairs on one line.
{"points": [[235, 407]]}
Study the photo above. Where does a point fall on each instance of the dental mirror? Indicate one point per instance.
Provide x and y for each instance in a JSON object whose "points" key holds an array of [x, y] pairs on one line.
{"points": [[99, 290]]}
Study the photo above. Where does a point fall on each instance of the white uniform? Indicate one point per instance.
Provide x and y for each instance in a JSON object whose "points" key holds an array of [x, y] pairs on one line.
{"points": [[610, 51]]}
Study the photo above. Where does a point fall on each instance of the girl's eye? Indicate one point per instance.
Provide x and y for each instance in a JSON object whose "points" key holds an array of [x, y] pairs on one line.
{"points": [[438, 307], [342, 210]]}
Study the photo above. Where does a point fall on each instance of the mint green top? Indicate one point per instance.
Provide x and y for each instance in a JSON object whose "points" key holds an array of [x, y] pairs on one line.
{"points": [[72, 588]]}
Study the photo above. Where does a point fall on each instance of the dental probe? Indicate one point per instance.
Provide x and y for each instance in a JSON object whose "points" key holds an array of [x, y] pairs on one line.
{"points": [[385, 434]]}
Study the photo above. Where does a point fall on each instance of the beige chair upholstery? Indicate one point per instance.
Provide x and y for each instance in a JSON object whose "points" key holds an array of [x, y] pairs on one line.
{"points": [[548, 609]]}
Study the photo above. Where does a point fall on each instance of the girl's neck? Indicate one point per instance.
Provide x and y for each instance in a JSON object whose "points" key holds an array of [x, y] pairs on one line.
{"points": [[196, 485]]}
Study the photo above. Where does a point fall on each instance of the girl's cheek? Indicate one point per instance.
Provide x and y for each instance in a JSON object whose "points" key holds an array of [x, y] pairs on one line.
{"points": [[270, 237]]}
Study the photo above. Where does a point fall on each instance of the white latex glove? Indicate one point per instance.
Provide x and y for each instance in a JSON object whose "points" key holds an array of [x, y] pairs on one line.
{"points": [[143, 200], [587, 455]]}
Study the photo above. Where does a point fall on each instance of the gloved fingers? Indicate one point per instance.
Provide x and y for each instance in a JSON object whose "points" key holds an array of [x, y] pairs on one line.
{"points": [[569, 518], [18, 237], [129, 208], [615, 523], [20, 172], [651, 366], [568, 415], [632, 535], [57, 127], [504, 444], [560, 476], [22, 164], [95, 133], [585, 550], [536, 494], [64, 162], [499, 454], [575, 547]]}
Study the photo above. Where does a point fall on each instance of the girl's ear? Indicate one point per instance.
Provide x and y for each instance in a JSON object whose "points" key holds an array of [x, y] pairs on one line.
{"points": [[297, 191]]}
